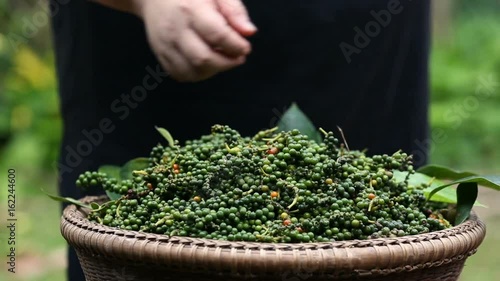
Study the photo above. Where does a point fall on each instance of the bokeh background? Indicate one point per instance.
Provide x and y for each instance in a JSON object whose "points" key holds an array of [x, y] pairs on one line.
{"points": [[465, 104]]}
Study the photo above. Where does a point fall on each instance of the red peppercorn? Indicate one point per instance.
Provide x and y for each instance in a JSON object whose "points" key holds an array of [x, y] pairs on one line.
{"points": [[274, 194], [272, 150]]}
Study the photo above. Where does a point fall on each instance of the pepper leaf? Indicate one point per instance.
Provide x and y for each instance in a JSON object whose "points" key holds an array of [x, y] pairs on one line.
{"points": [[442, 172], [123, 173], [416, 179], [294, 118], [166, 134], [492, 181], [466, 196], [112, 172], [445, 195], [126, 172], [67, 200], [112, 195]]}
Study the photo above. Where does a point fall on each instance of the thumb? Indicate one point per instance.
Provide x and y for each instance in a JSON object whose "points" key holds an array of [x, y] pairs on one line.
{"points": [[236, 15]]}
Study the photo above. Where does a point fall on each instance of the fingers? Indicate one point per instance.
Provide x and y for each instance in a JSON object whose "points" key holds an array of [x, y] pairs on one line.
{"points": [[193, 39], [194, 61], [236, 15], [213, 28], [205, 61]]}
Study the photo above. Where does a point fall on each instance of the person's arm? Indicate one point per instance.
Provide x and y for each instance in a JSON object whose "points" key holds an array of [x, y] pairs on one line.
{"points": [[193, 39]]}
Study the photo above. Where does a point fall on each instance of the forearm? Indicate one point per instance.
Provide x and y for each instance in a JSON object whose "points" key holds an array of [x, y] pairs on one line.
{"points": [[129, 6]]}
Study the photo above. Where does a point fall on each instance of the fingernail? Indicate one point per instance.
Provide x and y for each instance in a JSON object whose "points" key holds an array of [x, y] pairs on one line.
{"points": [[250, 26]]}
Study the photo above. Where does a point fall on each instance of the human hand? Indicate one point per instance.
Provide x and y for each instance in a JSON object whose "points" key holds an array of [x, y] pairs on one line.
{"points": [[196, 39]]}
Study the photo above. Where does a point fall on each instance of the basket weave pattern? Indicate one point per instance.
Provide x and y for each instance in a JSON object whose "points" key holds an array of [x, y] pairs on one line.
{"points": [[109, 253]]}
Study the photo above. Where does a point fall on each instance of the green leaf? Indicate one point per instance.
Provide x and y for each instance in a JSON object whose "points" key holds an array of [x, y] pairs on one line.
{"points": [[466, 196], [67, 200], [94, 206], [166, 134], [492, 181], [445, 195], [442, 172], [399, 176], [416, 179], [112, 172], [448, 195], [294, 118], [136, 164], [112, 195], [123, 173]]}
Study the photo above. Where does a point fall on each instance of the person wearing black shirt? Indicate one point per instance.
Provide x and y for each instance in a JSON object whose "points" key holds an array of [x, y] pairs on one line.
{"points": [[125, 66]]}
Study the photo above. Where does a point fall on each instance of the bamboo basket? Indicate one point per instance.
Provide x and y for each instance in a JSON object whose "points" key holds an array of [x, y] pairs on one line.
{"points": [[107, 253]]}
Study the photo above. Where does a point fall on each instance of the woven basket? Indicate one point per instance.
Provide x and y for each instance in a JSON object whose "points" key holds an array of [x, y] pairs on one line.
{"points": [[108, 253]]}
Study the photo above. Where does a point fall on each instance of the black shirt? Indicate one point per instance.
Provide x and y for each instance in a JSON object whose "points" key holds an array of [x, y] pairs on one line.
{"points": [[361, 65]]}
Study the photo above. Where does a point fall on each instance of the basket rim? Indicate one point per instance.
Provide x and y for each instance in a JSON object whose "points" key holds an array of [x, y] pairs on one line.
{"points": [[376, 257], [75, 216]]}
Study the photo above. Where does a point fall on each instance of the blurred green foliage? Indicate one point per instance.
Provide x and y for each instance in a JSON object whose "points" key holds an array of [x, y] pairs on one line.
{"points": [[30, 123], [465, 88]]}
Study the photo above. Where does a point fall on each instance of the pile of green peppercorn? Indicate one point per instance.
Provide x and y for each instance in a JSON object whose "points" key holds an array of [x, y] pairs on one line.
{"points": [[277, 186]]}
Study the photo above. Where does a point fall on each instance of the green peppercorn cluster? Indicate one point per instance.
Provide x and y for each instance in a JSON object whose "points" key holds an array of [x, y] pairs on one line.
{"points": [[273, 187]]}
